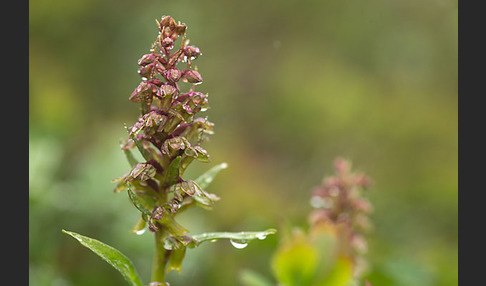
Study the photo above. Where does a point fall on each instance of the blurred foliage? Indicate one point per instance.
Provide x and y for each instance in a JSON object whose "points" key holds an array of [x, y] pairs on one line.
{"points": [[292, 84]]}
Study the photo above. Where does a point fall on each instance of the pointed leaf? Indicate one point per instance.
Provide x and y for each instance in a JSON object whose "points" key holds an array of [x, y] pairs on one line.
{"points": [[243, 236], [205, 179], [111, 255]]}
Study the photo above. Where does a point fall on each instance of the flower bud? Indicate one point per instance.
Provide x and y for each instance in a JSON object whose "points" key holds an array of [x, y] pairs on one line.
{"points": [[146, 59], [362, 180], [166, 21], [173, 75], [342, 166], [143, 171], [191, 52], [156, 81], [145, 90], [192, 76], [166, 90], [180, 29], [167, 43], [145, 71], [180, 129]]}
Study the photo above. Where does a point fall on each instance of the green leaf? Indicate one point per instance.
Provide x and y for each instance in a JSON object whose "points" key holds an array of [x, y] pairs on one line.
{"points": [[111, 255], [205, 179], [242, 237]]}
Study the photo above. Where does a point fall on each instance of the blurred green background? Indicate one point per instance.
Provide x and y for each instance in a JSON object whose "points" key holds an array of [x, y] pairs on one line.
{"points": [[292, 85]]}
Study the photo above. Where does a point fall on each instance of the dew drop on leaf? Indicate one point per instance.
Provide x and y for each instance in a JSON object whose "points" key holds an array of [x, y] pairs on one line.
{"points": [[239, 243], [261, 236]]}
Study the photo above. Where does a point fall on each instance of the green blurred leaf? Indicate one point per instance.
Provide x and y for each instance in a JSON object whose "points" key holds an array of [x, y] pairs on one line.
{"points": [[340, 275], [111, 255], [252, 278], [205, 179], [295, 261]]}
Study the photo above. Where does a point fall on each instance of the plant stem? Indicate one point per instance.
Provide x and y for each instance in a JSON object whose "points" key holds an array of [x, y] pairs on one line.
{"points": [[160, 259]]}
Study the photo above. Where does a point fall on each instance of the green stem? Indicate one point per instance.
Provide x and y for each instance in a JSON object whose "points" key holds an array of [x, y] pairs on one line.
{"points": [[160, 257], [161, 254]]}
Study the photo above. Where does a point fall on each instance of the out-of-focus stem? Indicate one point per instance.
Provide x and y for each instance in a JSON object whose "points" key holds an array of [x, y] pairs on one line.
{"points": [[160, 258]]}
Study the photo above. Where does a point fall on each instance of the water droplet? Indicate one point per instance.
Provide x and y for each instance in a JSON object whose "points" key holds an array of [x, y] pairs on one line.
{"points": [[320, 202], [316, 202], [213, 240], [334, 192], [261, 236], [239, 243], [140, 232]]}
